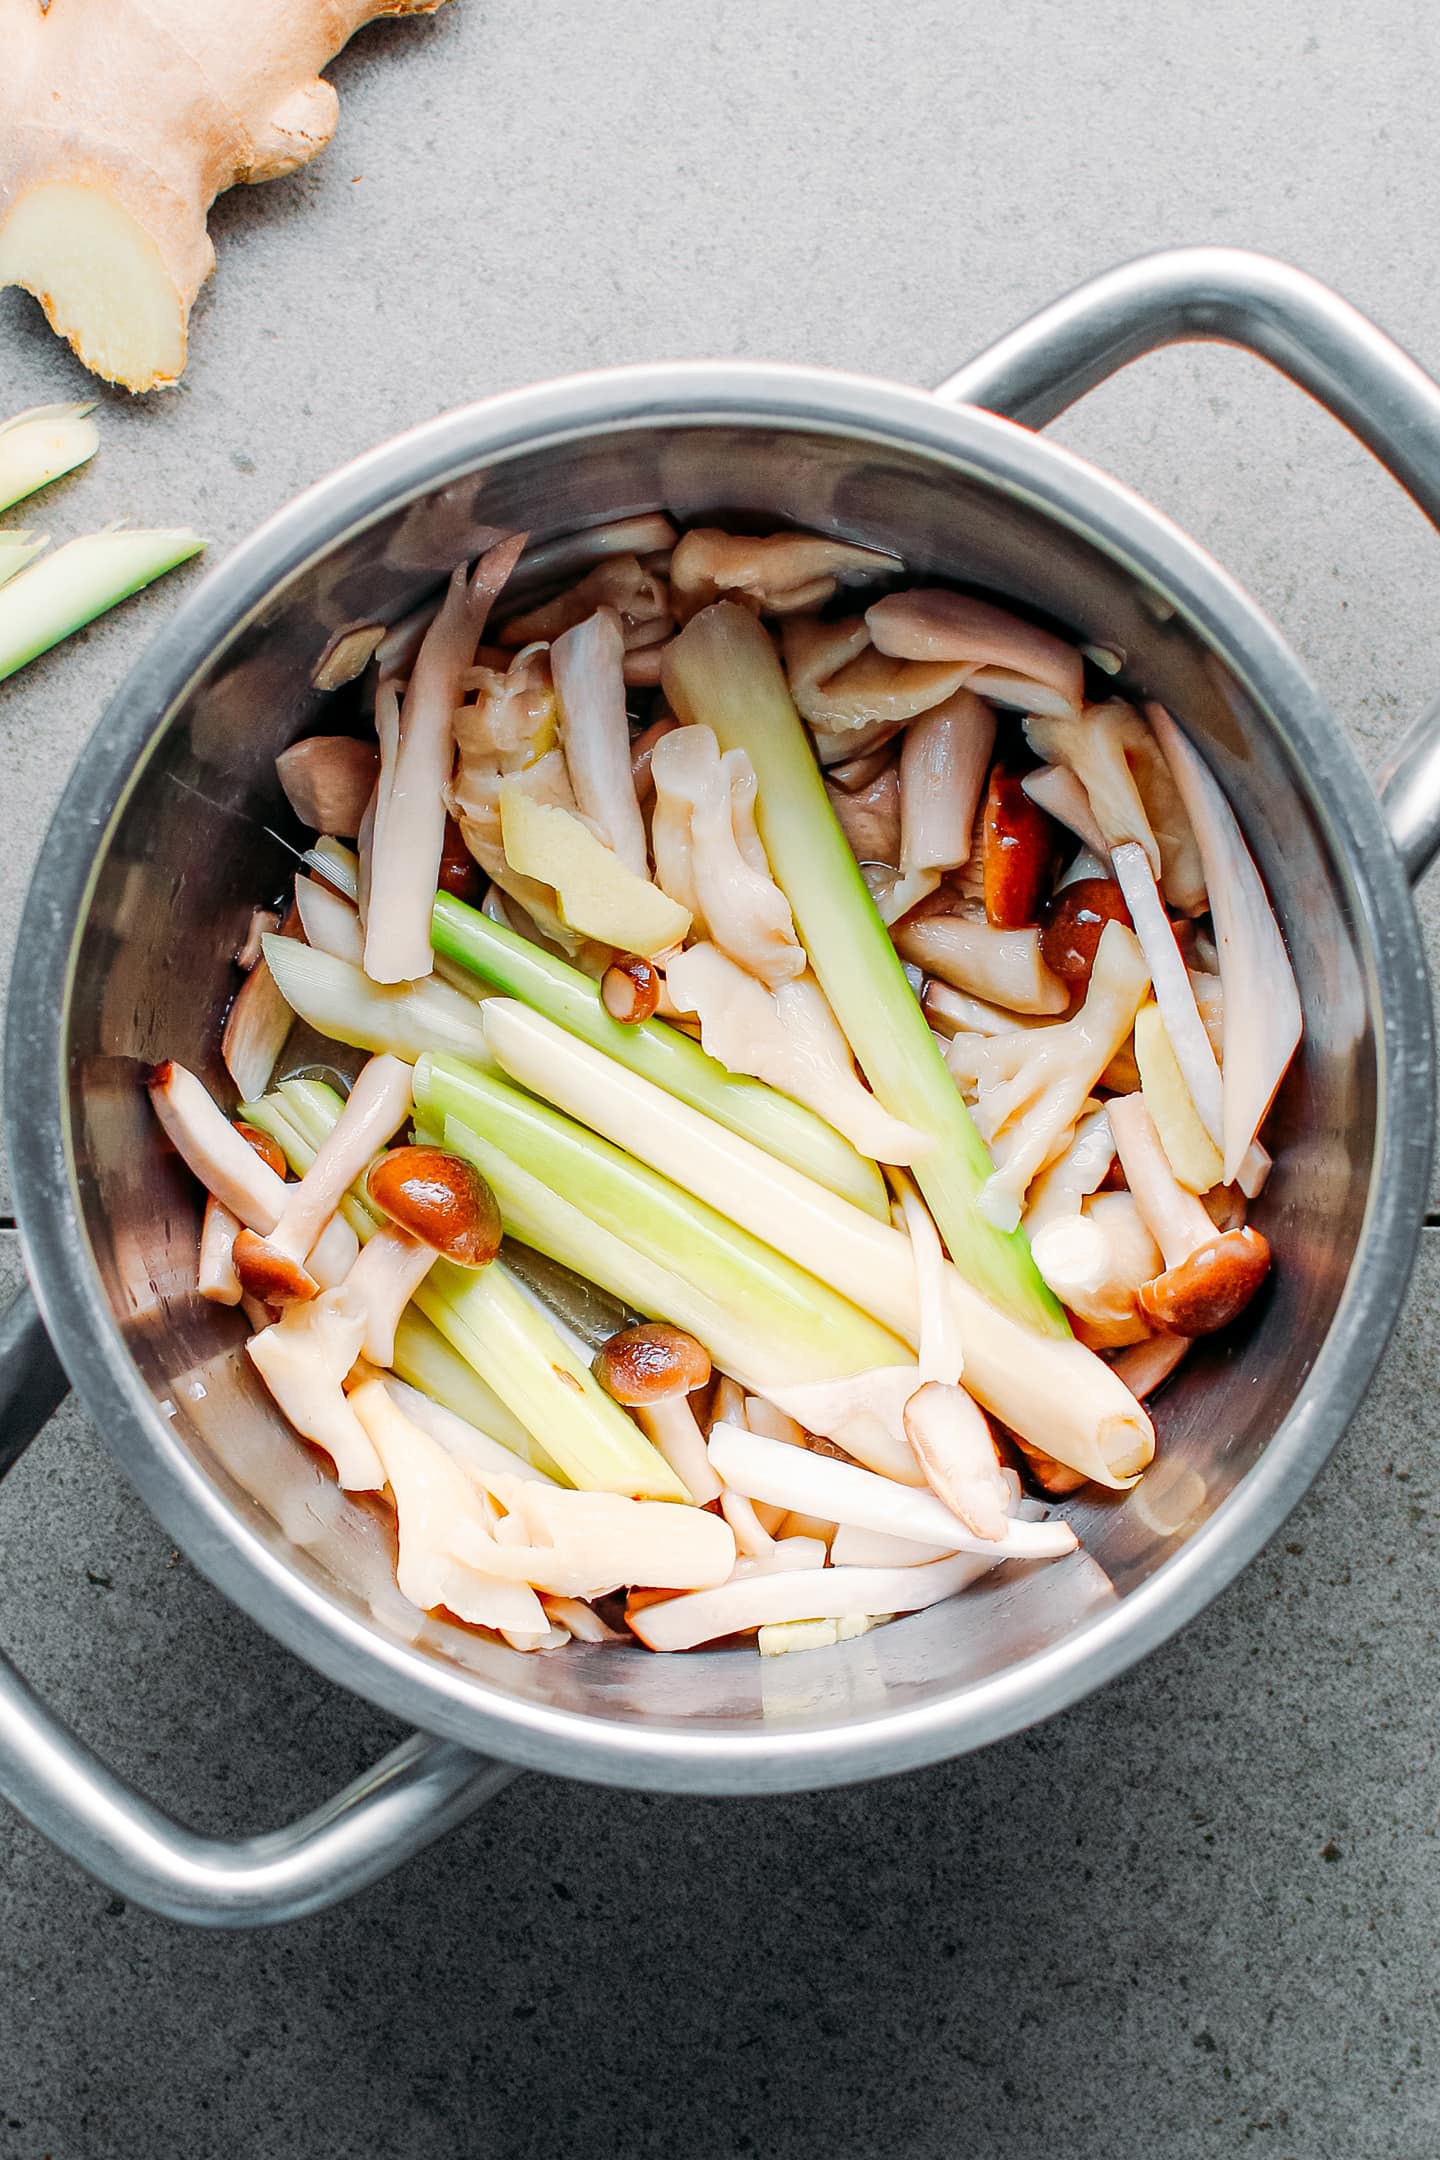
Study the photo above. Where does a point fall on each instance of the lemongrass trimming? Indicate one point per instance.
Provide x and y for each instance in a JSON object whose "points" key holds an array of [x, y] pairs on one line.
{"points": [[69, 588]]}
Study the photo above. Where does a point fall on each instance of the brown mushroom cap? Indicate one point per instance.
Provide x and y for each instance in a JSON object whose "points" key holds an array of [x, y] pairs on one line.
{"points": [[441, 1199], [266, 1146], [651, 1364], [1207, 1291], [269, 1274], [630, 989]]}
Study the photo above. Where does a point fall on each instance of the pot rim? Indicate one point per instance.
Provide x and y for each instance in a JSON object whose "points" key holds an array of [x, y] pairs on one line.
{"points": [[671, 1755]]}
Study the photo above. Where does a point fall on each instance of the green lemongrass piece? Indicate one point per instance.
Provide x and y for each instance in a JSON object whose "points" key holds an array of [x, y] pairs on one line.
{"points": [[80, 581], [769, 1321], [722, 671], [298, 1118], [865, 1261], [36, 447], [17, 550], [784, 1129], [340, 1000]]}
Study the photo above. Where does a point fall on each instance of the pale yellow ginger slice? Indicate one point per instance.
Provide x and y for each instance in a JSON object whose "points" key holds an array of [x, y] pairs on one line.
{"points": [[120, 122]]}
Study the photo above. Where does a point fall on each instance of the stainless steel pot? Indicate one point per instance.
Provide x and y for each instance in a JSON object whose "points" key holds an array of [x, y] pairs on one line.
{"points": [[160, 845]]}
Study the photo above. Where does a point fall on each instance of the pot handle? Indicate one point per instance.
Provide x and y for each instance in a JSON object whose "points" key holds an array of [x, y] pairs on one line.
{"points": [[1230, 296], [420, 1789]]}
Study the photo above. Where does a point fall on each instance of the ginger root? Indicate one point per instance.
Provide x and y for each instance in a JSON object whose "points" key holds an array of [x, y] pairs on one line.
{"points": [[120, 122]]}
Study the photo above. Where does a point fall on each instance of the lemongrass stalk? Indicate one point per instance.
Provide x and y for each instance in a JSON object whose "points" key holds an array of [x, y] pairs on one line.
{"points": [[17, 551], [722, 671], [340, 1000], [68, 589], [782, 1326], [37, 446], [783, 1128], [1051, 1390]]}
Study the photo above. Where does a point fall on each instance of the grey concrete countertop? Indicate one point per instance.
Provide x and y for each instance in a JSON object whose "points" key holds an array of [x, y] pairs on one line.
{"points": [[1199, 1913]]}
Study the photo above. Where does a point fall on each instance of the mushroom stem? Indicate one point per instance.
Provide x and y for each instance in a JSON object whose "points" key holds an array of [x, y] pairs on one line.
{"points": [[379, 1102], [216, 1278], [390, 1269], [1175, 1218], [943, 762], [673, 1429]]}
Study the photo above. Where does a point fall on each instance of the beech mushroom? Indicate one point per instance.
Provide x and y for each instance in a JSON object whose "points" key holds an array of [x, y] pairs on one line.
{"points": [[588, 667], [1096, 1261], [781, 574], [1210, 1275], [304, 1359], [943, 761], [1032, 1086], [258, 1021], [956, 1012], [225, 1159], [642, 749], [1017, 853], [271, 1265], [653, 1369], [1057, 790], [630, 989], [215, 1276], [1002, 966], [844, 687], [869, 816], [439, 1207], [1071, 924], [790, 1038], [416, 754], [639, 597], [328, 780], [1005, 658], [708, 856]]}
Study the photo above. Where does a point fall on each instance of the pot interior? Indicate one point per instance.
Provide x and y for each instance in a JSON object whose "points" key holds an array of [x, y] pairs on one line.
{"points": [[201, 834]]}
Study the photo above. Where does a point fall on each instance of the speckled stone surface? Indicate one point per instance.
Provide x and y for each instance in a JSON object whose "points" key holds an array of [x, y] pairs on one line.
{"points": [[1198, 1914]]}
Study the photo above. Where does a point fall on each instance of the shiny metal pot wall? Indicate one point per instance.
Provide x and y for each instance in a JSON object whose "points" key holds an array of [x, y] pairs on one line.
{"points": [[161, 845]]}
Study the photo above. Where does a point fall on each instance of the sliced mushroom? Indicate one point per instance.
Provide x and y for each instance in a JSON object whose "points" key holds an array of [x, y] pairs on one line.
{"points": [[851, 692], [639, 597], [588, 666], [653, 1369], [1006, 658], [1210, 1276], [224, 1158], [1018, 853], [780, 574], [1096, 1262], [328, 780], [709, 859], [271, 1265], [869, 816], [304, 1359], [942, 775], [216, 1278], [1032, 1086], [1003, 966]]}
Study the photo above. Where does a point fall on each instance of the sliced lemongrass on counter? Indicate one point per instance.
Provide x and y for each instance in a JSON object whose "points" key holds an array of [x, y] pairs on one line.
{"points": [[17, 551], [64, 591], [663, 1054], [37, 446], [340, 1000], [722, 670]]}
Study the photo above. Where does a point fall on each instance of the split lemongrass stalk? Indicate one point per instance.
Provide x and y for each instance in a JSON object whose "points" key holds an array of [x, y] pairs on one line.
{"points": [[546, 1387], [787, 1131], [1045, 1387], [36, 447], [64, 591], [788, 1477], [340, 1000], [17, 551], [1262, 1005], [764, 1320], [722, 671]]}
